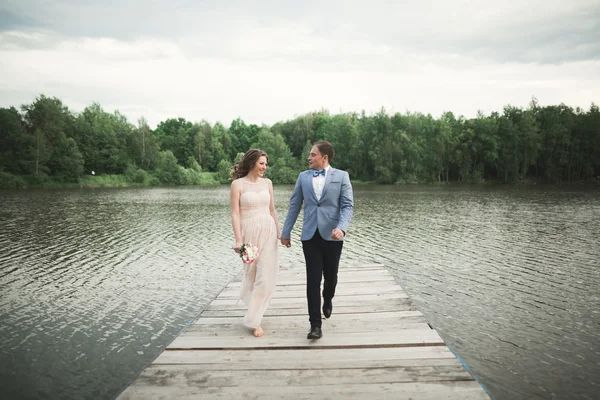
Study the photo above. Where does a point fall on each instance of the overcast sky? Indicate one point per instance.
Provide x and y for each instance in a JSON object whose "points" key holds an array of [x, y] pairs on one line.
{"points": [[274, 60]]}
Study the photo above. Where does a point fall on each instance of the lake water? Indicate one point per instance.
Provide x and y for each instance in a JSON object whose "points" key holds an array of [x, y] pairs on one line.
{"points": [[95, 282]]}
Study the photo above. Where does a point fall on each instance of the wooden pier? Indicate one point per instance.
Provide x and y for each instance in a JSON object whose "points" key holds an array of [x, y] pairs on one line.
{"points": [[376, 345]]}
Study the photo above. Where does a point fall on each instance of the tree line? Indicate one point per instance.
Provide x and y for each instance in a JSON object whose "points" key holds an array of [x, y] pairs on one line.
{"points": [[45, 142]]}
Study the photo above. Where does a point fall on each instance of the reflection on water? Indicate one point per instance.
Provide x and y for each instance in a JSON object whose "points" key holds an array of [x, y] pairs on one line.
{"points": [[96, 282]]}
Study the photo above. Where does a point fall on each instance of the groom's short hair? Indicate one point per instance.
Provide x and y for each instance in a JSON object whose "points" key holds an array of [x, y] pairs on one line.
{"points": [[326, 149]]}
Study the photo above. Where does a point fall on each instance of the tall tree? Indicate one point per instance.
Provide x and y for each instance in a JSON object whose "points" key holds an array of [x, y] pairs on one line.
{"points": [[177, 136], [67, 161], [143, 145], [14, 142], [242, 135], [102, 139], [48, 122]]}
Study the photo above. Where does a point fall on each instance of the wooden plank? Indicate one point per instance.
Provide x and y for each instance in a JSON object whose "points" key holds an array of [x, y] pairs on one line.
{"points": [[360, 276], [298, 273], [360, 264], [288, 302], [283, 325], [345, 270], [405, 306], [306, 358], [192, 375], [348, 286], [341, 299], [365, 318], [447, 390], [343, 267], [293, 328], [404, 338], [315, 364], [342, 271], [341, 291], [341, 280], [302, 279]]}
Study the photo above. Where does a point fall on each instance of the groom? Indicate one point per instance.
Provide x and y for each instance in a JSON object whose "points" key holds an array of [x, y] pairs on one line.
{"points": [[328, 207]]}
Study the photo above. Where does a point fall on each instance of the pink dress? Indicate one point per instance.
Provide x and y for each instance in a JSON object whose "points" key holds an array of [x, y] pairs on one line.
{"points": [[258, 227]]}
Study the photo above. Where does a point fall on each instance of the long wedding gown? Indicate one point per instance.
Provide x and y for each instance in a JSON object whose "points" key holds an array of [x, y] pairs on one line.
{"points": [[258, 228]]}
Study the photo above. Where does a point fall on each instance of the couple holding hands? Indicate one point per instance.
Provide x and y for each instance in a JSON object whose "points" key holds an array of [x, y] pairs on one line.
{"points": [[326, 194]]}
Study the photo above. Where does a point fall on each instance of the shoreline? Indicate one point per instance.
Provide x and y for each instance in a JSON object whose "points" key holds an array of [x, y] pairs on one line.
{"points": [[123, 183]]}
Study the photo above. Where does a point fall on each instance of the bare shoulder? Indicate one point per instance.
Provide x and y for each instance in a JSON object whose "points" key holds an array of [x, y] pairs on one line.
{"points": [[236, 183]]}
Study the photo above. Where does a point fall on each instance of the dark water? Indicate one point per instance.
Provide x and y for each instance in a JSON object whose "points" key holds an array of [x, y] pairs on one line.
{"points": [[94, 283]]}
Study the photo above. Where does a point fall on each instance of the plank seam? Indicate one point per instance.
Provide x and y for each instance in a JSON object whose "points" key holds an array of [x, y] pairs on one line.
{"points": [[316, 347]]}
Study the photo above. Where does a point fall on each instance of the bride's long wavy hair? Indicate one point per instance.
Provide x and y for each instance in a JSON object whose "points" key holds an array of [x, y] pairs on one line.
{"points": [[246, 163]]}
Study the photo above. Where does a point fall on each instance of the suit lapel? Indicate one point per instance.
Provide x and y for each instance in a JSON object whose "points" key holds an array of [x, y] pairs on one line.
{"points": [[327, 181], [309, 184]]}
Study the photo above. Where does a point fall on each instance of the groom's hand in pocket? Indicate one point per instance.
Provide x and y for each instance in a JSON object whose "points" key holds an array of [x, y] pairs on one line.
{"points": [[286, 242]]}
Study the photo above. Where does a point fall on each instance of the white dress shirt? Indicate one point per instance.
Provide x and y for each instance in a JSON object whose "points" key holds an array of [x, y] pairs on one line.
{"points": [[319, 183]]}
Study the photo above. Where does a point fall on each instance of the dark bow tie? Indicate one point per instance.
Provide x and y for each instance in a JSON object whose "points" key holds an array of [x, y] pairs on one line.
{"points": [[317, 173]]}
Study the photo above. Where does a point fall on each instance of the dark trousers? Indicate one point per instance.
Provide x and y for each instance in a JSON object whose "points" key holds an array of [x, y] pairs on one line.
{"points": [[322, 259]]}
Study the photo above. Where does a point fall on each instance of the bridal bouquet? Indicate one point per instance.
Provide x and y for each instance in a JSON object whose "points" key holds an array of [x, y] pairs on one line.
{"points": [[248, 253]]}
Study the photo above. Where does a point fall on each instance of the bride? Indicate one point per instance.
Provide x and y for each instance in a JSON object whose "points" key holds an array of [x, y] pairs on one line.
{"points": [[254, 221]]}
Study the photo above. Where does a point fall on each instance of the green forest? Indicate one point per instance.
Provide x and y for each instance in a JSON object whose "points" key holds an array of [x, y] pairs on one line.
{"points": [[45, 144]]}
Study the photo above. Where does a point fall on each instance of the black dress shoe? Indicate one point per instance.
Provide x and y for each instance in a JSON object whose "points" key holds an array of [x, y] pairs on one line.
{"points": [[315, 333], [327, 308]]}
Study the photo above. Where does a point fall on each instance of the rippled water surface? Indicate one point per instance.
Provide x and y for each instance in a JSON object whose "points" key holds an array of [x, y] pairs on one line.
{"points": [[94, 283]]}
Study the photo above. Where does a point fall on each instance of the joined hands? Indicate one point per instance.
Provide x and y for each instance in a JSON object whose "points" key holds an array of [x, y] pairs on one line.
{"points": [[336, 234]]}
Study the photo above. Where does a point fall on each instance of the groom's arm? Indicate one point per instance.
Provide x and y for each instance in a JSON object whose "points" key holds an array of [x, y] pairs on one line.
{"points": [[295, 205], [346, 204]]}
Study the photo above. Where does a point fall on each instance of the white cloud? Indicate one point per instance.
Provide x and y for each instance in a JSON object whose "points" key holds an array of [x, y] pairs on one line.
{"points": [[266, 65]]}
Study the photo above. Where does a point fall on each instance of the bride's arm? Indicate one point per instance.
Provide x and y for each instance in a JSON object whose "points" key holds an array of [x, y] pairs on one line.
{"points": [[272, 209], [235, 213]]}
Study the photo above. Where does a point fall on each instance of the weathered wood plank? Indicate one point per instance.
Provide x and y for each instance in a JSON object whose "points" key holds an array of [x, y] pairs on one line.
{"points": [[342, 267], [341, 280], [347, 289], [448, 390], [192, 375], [302, 271], [309, 363], [284, 325], [400, 306], [364, 318], [300, 326], [357, 271], [359, 264], [349, 297], [287, 302], [351, 277], [293, 273], [406, 337], [306, 358]]}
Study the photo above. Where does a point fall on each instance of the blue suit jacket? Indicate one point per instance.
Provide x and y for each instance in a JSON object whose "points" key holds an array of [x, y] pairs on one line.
{"points": [[333, 210]]}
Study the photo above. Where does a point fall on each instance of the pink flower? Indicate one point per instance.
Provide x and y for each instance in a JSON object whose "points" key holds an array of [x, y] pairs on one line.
{"points": [[248, 253]]}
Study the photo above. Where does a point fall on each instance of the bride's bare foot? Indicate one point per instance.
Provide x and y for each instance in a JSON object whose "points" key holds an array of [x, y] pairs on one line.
{"points": [[258, 332]]}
